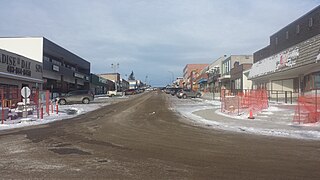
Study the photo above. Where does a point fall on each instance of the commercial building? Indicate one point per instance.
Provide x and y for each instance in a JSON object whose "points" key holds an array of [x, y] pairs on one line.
{"points": [[190, 73], [114, 77], [239, 77], [98, 85], [291, 61], [124, 84], [62, 70], [17, 71], [213, 71], [228, 64]]}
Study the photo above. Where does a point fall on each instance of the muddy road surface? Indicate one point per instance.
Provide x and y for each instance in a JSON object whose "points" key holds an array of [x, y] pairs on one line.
{"points": [[142, 139]]}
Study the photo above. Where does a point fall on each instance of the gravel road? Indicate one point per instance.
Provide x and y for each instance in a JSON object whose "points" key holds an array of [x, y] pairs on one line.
{"points": [[140, 138]]}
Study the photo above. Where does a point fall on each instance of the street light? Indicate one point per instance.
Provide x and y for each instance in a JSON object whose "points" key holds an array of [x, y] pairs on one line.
{"points": [[115, 67]]}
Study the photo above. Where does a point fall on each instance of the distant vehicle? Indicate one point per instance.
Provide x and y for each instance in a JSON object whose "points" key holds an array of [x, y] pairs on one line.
{"points": [[130, 92], [111, 93], [167, 90], [139, 91], [174, 91], [82, 96], [186, 93]]}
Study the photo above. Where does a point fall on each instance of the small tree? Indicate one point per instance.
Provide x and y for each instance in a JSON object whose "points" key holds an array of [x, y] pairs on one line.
{"points": [[131, 77]]}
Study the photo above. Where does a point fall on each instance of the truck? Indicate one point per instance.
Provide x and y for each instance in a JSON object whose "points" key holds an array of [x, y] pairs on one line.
{"points": [[111, 93]]}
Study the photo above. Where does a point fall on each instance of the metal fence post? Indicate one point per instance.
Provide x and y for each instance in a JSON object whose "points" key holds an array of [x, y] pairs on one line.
{"points": [[299, 106], [285, 96], [316, 97], [238, 106], [2, 106], [291, 97]]}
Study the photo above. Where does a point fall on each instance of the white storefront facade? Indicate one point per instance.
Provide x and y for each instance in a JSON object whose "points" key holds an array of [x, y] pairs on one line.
{"points": [[295, 69]]}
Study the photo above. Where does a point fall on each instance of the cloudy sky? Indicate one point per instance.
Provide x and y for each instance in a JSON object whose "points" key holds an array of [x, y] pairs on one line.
{"points": [[154, 38]]}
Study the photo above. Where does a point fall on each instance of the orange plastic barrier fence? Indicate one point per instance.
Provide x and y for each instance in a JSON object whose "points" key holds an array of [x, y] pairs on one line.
{"points": [[248, 100], [307, 109]]}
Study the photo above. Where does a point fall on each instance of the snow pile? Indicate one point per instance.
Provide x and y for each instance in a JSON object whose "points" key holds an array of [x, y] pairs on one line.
{"points": [[65, 112]]}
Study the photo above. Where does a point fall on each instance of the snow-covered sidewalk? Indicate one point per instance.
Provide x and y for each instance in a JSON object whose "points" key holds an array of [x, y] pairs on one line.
{"points": [[277, 120], [65, 112]]}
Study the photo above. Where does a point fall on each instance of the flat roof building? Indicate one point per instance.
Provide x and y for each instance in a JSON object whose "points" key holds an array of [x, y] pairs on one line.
{"points": [[291, 61], [62, 70]]}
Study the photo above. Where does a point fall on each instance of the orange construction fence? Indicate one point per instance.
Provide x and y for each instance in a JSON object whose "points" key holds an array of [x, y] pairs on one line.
{"points": [[307, 109], [244, 101]]}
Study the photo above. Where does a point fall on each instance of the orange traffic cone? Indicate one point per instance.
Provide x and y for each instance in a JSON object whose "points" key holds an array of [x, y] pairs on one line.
{"points": [[251, 115]]}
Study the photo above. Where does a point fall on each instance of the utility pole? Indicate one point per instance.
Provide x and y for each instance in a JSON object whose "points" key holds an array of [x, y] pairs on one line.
{"points": [[115, 67]]}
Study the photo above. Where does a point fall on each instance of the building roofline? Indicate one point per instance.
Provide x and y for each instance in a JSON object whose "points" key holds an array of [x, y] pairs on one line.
{"points": [[301, 17]]}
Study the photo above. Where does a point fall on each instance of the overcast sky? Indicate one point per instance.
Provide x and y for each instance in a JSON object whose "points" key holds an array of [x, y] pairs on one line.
{"points": [[151, 37]]}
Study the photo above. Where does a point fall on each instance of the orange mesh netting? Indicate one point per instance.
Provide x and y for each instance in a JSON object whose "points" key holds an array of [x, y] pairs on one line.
{"points": [[307, 109]]}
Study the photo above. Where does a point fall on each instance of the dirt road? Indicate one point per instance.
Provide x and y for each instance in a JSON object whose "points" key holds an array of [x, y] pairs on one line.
{"points": [[142, 139]]}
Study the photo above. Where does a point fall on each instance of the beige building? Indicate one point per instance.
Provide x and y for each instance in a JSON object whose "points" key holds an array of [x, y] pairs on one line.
{"points": [[230, 63], [114, 77]]}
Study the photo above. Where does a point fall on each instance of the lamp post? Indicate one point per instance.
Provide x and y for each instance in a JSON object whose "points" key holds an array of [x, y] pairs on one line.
{"points": [[115, 67]]}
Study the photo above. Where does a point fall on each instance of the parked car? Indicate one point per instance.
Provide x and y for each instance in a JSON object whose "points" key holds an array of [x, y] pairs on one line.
{"points": [[130, 92], [78, 96], [174, 91], [111, 93], [186, 93]]}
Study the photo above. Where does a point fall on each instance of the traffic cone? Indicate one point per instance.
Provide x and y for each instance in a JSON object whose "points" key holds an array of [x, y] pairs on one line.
{"points": [[251, 115]]}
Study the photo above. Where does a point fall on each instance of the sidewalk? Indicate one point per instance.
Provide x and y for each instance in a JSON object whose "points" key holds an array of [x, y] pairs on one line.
{"points": [[277, 120]]}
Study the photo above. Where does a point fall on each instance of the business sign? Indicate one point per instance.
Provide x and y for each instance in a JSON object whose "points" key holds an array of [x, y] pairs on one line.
{"points": [[104, 81], [286, 58], [275, 63], [55, 68], [14, 64], [78, 75]]}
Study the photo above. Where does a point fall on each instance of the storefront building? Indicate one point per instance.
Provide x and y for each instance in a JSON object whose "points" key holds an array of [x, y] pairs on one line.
{"points": [[213, 70], [229, 63], [115, 78], [98, 85], [239, 79], [292, 60], [16, 72], [63, 71], [190, 74]]}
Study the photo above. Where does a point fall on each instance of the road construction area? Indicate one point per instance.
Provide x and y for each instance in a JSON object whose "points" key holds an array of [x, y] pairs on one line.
{"points": [[143, 138]]}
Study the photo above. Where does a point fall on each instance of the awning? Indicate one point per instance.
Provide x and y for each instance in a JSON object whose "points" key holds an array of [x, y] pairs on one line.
{"points": [[203, 80]]}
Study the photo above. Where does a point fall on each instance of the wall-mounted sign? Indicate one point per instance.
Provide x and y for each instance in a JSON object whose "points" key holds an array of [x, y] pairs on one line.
{"points": [[18, 65], [102, 80], [79, 75], [55, 68], [275, 63], [286, 58]]}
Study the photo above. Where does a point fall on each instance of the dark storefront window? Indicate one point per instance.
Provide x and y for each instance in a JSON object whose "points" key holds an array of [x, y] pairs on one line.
{"points": [[317, 80], [312, 81], [9, 91]]}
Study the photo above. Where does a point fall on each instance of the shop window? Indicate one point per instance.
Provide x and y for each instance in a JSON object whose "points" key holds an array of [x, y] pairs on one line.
{"points": [[317, 80], [237, 83], [56, 62]]}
